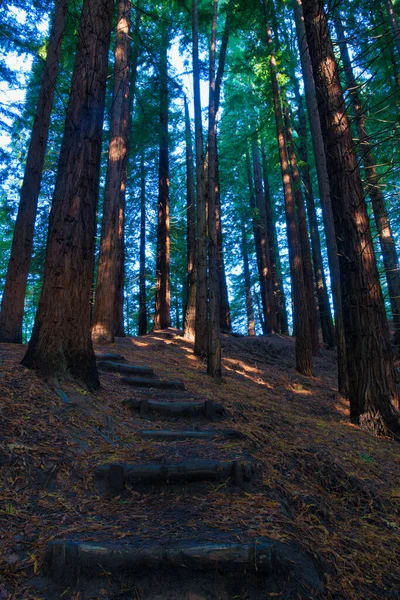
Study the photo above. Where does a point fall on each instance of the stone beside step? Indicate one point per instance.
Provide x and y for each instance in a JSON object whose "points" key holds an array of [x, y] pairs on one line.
{"points": [[125, 368], [111, 478], [154, 383], [182, 434], [207, 408], [109, 356]]}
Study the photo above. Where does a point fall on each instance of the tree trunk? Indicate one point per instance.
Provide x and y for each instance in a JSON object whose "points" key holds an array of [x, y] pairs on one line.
{"points": [[142, 250], [247, 285], [300, 309], [214, 343], [303, 236], [108, 307], [386, 239], [372, 381], [61, 343], [270, 314], [12, 307], [190, 310], [200, 345], [279, 295], [393, 23], [324, 192], [162, 317]]}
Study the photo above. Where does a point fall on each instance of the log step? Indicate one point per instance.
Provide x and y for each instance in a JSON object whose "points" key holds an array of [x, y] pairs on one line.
{"points": [[109, 356], [154, 383], [112, 477], [282, 565], [207, 408], [127, 369], [167, 435]]}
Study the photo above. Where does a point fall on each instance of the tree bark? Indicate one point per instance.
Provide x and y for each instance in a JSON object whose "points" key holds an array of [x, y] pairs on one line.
{"points": [[190, 310], [279, 295], [108, 308], [162, 317], [12, 307], [372, 381], [393, 23], [300, 309], [303, 236], [214, 368], [247, 285], [142, 250], [324, 193], [61, 343], [386, 239]]}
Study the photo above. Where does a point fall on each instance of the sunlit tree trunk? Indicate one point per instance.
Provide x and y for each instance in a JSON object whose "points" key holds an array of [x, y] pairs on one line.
{"points": [[386, 239], [324, 192], [12, 307], [190, 311], [162, 317], [300, 309], [247, 284], [142, 250], [372, 381], [61, 343], [108, 307]]}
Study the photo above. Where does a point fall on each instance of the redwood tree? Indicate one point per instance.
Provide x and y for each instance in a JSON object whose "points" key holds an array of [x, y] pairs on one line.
{"points": [[61, 344], [372, 381]]}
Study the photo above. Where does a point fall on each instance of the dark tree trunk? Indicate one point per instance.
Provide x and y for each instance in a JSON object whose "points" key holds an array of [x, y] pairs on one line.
{"points": [[61, 343], [270, 314], [12, 307], [247, 285], [300, 309], [386, 239], [324, 192], [108, 308], [303, 236], [190, 311], [214, 343], [372, 381], [142, 250], [200, 345], [393, 23], [279, 295], [162, 317]]}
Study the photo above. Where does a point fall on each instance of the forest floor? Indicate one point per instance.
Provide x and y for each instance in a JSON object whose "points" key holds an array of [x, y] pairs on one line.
{"points": [[320, 480]]}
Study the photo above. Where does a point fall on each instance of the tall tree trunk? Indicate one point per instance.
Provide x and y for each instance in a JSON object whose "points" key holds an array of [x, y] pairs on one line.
{"points": [[386, 239], [200, 345], [162, 317], [393, 23], [270, 314], [190, 310], [247, 285], [12, 307], [214, 368], [279, 295], [108, 307], [142, 250], [324, 192], [300, 309], [372, 381], [61, 343], [303, 236]]}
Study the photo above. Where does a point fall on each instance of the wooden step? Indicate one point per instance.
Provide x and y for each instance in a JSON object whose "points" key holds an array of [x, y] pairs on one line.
{"points": [[154, 383], [111, 478], [109, 356], [126, 368], [207, 408], [275, 565], [182, 434]]}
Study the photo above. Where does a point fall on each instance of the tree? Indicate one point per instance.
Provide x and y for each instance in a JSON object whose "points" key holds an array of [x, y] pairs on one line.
{"points": [[142, 250], [12, 307], [372, 383], [108, 314], [61, 342]]}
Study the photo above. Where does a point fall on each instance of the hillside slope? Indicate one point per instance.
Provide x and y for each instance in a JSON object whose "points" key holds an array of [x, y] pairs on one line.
{"points": [[319, 481]]}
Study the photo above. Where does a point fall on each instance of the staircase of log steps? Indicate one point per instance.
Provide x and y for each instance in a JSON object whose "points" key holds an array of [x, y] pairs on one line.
{"points": [[185, 567]]}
